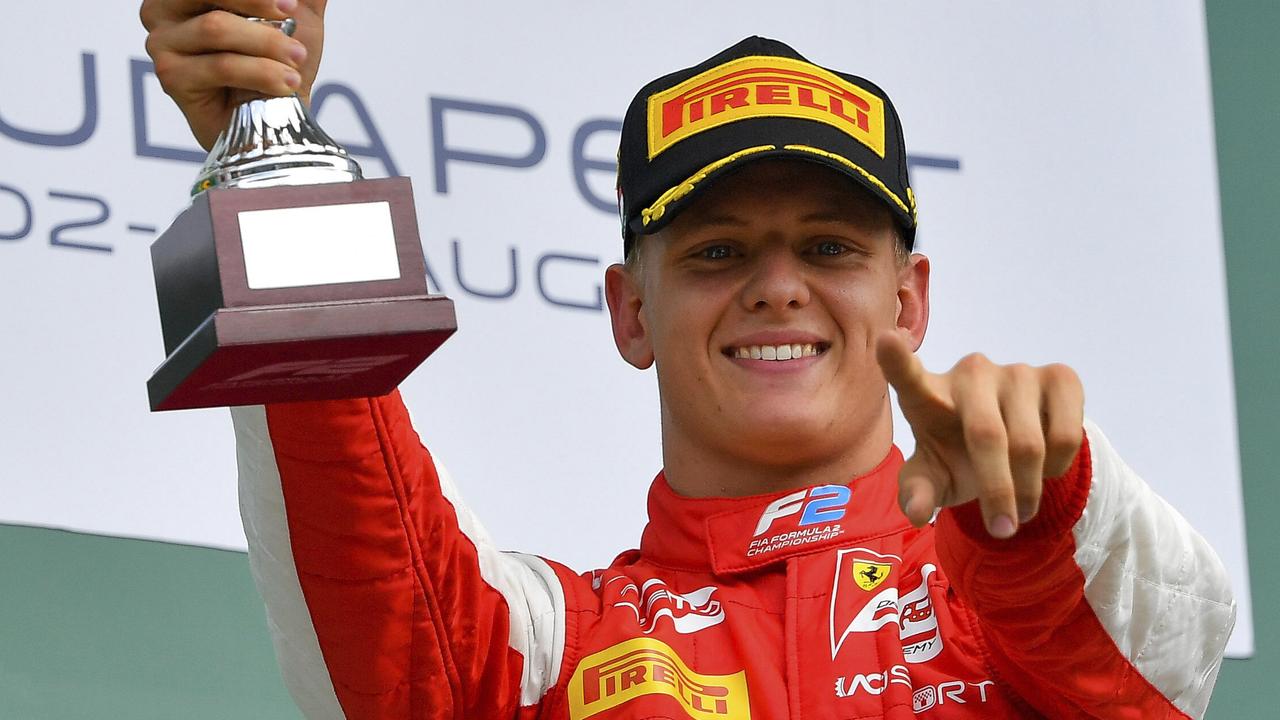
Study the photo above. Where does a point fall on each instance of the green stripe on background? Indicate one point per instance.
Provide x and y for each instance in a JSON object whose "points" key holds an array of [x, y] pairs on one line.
{"points": [[95, 628], [1245, 65]]}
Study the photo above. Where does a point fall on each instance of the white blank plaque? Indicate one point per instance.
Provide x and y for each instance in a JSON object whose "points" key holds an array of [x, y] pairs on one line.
{"points": [[321, 245]]}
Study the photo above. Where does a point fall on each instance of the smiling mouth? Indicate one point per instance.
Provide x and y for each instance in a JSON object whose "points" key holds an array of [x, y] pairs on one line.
{"points": [[777, 353]]}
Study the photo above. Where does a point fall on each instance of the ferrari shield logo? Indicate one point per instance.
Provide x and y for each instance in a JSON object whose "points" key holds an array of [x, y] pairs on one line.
{"points": [[869, 575]]}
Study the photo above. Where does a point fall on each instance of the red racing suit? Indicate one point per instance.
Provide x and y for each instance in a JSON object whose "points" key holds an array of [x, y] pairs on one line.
{"points": [[386, 598]]}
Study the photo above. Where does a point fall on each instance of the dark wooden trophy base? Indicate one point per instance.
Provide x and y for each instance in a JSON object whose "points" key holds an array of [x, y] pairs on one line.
{"points": [[230, 344]]}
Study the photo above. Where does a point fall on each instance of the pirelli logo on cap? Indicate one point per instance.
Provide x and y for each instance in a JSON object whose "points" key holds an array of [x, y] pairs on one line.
{"points": [[764, 86], [647, 666]]}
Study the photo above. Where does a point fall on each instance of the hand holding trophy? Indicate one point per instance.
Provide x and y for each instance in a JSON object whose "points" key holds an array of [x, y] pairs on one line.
{"points": [[290, 277]]}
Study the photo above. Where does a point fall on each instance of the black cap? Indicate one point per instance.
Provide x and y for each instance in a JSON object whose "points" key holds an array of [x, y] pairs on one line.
{"points": [[757, 99]]}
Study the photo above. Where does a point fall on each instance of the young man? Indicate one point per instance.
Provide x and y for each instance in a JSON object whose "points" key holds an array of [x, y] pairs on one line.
{"points": [[768, 223]]}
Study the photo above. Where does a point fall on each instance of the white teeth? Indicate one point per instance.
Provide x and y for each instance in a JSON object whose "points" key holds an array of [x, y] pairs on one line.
{"points": [[776, 352]]}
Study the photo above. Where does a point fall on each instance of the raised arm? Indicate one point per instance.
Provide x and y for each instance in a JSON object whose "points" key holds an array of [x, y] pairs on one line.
{"points": [[385, 597]]}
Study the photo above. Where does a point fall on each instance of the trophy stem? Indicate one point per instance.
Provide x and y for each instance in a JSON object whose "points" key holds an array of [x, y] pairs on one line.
{"points": [[274, 141]]}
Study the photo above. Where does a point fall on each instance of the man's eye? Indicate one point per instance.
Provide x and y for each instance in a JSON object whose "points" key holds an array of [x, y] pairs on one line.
{"points": [[830, 248], [717, 252]]}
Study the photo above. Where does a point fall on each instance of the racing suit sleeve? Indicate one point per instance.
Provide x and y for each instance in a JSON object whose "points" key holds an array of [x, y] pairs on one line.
{"points": [[1107, 604], [384, 596]]}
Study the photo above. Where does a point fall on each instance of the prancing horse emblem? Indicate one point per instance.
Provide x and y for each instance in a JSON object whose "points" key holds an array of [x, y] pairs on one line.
{"points": [[869, 575]]}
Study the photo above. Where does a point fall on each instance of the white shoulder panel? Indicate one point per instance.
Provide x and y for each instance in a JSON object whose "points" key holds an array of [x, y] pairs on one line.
{"points": [[1155, 584], [533, 594]]}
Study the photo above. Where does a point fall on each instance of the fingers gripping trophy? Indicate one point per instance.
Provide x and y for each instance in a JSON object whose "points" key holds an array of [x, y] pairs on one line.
{"points": [[290, 277]]}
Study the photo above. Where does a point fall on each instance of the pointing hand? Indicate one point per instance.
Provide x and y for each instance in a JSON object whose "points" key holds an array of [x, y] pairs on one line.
{"points": [[983, 431]]}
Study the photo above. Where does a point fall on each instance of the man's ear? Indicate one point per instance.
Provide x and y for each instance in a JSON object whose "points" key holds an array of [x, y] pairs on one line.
{"points": [[913, 299], [623, 292]]}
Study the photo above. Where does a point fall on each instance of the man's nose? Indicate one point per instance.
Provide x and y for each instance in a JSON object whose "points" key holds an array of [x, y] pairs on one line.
{"points": [[778, 281]]}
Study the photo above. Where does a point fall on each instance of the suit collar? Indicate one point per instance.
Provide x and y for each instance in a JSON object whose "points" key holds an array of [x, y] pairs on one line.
{"points": [[731, 535]]}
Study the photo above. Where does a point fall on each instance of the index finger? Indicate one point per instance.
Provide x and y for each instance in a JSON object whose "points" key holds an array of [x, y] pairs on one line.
{"points": [[901, 367], [155, 12]]}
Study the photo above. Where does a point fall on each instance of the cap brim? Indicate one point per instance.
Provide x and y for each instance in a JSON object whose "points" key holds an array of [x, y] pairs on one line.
{"points": [[674, 201]]}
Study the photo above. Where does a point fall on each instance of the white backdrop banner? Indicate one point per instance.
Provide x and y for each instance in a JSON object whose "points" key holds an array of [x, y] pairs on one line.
{"points": [[1063, 159]]}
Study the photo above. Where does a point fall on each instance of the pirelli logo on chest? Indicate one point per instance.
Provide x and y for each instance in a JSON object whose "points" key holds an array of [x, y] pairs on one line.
{"points": [[762, 86], [647, 666]]}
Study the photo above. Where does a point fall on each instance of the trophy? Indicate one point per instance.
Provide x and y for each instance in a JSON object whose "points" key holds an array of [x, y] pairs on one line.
{"points": [[290, 277]]}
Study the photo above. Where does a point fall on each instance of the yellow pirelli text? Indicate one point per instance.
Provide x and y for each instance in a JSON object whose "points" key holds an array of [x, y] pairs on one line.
{"points": [[647, 666], [760, 86]]}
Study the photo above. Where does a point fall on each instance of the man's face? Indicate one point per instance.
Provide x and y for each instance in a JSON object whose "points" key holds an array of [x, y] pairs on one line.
{"points": [[760, 305]]}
